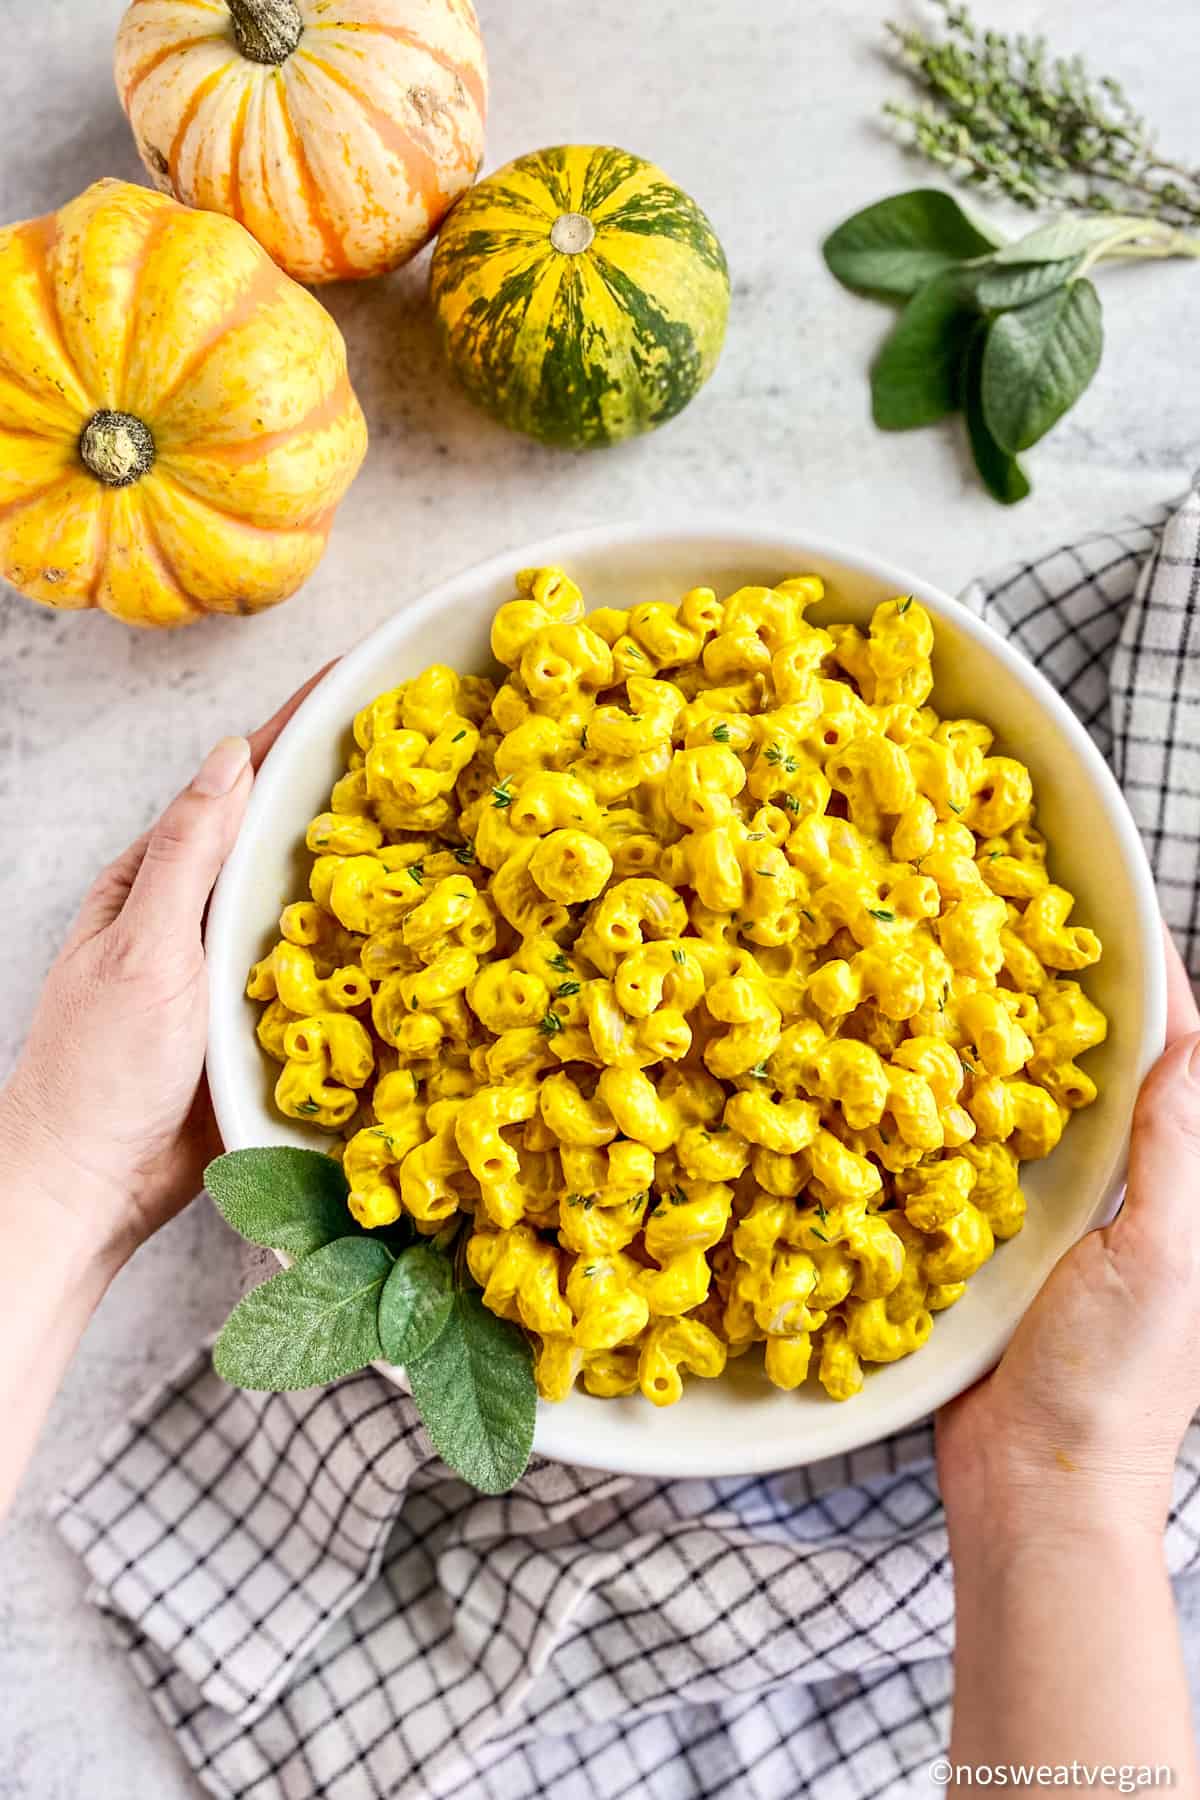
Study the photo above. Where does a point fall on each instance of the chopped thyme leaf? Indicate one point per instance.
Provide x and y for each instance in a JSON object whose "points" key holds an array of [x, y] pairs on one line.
{"points": [[756, 837], [560, 963], [565, 989], [821, 1212], [904, 605], [551, 1023], [465, 854], [777, 755], [458, 737], [966, 1062], [993, 854], [417, 871], [759, 1072], [583, 743], [792, 804], [678, 956], [818, 1234], [307, 1107], [882, 912], [953, 808], [589, 1271], [767, 874], [720, 734], [632, 650], [501, 797], [811, 917]]}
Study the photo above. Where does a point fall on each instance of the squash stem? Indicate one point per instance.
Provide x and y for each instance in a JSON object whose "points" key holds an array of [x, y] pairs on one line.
{"points": [[116, 447], [267, 31]]}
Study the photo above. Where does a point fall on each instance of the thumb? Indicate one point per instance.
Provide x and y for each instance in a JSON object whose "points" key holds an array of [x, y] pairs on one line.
{"points": [[1163, 1195], [185, 850]]}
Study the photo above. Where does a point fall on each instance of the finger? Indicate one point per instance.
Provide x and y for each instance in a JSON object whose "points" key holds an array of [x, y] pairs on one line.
{"points": [[1183, 1016], [107, 894], [1164, 1155], [262, 739], [186, 848]]}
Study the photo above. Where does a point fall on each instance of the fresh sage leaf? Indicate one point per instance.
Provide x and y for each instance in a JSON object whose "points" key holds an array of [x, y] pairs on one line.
{"points": [[474, 1390], [998, 286], [895, 246], [915, 377], [288, 1199], [1066, 236], [309, 1324], [415, 1303], [1000, 473], [1037, 362]]}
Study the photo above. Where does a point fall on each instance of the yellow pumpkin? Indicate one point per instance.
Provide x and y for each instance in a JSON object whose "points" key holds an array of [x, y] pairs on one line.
{"points": [[176, 421], [339, 132]]}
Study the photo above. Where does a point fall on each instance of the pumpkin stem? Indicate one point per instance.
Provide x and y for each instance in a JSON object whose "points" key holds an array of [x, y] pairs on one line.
{"points": [[267, 31], [571, 233], [116, 448]]}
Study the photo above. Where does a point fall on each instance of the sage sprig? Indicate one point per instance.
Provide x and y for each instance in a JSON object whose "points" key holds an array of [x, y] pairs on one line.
{"points": [[351, 1297], [1008, 333]]}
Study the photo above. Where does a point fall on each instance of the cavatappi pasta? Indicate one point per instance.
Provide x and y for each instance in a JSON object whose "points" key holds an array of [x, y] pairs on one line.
{"points": [[718, 984]]}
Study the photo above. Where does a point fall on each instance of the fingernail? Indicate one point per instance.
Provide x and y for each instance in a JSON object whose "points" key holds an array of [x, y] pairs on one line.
{"points": [[220, 769]]}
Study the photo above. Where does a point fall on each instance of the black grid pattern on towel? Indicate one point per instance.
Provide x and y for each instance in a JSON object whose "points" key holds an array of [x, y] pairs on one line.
{"points": [[317, 1608]]}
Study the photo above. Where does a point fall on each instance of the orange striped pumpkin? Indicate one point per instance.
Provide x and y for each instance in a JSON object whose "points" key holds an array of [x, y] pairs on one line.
{"points": [[339, 132], [176, 421]]}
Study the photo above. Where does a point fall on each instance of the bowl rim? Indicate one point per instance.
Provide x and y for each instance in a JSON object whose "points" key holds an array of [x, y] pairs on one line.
{"points": [[930, 1388]]}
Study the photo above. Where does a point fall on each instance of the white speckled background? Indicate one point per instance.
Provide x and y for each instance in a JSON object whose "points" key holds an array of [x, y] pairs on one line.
{"points": [[765, 112]]}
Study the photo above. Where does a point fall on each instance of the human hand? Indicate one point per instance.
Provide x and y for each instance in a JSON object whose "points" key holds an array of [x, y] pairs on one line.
{"points": [[1081, 1420], [106, 1117]]}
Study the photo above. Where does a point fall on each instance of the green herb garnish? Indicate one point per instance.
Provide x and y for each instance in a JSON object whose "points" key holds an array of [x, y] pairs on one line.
{"points": [[352, 1297], [1000, 114], [550, 1024], [1009, 333], [720, 734], [501, 797]]}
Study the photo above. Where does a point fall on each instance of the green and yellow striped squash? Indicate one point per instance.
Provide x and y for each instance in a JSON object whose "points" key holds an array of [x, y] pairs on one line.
{"points": [[581, 297]]}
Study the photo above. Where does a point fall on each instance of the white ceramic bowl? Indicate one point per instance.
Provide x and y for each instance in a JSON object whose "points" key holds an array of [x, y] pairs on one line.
{"points": [[740, 1425]]}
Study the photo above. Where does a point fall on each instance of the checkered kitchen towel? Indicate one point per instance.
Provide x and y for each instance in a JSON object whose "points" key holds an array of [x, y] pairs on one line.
{"points": [[317, 1607]]}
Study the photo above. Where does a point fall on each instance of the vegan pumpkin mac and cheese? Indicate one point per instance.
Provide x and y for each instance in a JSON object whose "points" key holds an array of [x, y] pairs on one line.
{"points": [[710, 979]]}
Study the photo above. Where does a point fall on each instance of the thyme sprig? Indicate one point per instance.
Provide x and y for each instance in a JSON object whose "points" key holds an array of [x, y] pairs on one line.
{"points": [[1002, 115]]}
